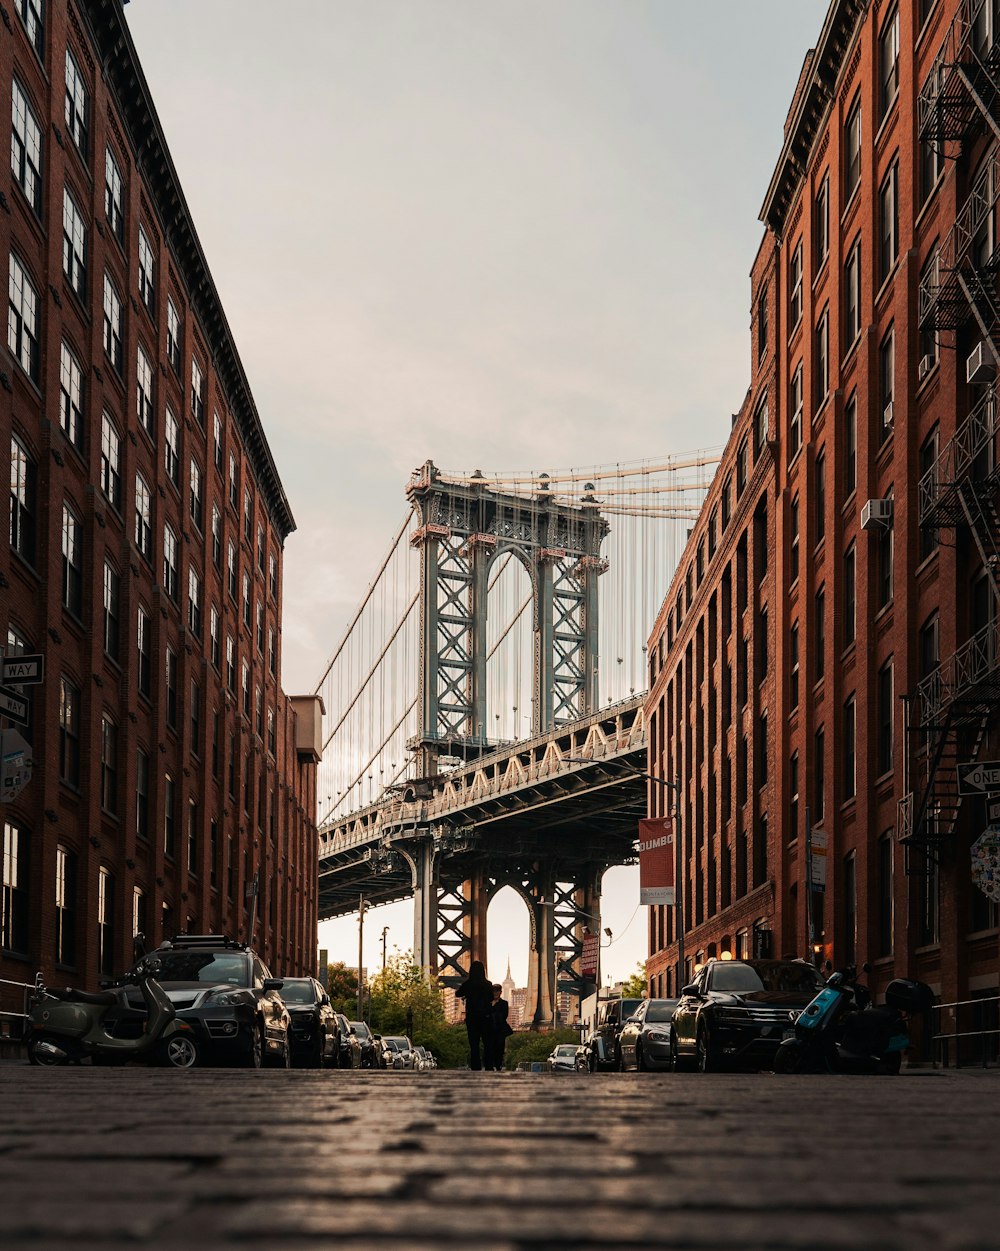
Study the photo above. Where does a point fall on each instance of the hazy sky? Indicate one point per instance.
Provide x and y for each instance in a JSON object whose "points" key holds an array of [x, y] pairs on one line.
{"points": [[496, 233]]}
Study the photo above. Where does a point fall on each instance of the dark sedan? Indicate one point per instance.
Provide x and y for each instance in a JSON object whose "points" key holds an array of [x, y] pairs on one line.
{"points": [[349, 1043], [315, 1037], [366, 1040], [644, 1042], [738, 1012]]}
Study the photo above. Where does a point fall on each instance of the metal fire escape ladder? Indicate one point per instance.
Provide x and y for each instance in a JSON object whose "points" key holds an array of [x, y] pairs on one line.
{"points": [[961, 91]]}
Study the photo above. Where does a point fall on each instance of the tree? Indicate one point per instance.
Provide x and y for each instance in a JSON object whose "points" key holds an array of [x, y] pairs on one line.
{"points": [[635, 987], [342, 983]]}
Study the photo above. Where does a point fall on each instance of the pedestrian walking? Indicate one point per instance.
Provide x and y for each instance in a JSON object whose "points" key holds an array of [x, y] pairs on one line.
{"points": [[500, 1030], [477, 991]]}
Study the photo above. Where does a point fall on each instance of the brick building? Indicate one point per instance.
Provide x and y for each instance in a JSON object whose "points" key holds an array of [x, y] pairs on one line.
{"points": [[827, 650], [144, 549]]}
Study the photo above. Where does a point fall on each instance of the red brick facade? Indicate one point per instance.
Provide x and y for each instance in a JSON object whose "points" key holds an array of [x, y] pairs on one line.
{"points": [[802, 666], [155, 799]]}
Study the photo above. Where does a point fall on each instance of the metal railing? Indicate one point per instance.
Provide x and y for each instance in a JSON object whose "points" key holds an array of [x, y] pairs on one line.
{"points": [[987, 1034], [13, 1018], [939, 85], [959, 676], [957, 459]]}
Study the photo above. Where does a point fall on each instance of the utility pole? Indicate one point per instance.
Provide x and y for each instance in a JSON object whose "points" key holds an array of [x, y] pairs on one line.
{"points": [[361, 958], [385, 934]]}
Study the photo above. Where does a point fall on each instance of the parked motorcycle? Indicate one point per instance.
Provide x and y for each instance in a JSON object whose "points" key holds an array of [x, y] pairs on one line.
{"points": [[66, 1026], [841, 1032]]}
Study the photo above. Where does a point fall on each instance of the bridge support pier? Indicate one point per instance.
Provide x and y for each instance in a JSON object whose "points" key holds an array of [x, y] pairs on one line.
{"points": [[425, 926]]}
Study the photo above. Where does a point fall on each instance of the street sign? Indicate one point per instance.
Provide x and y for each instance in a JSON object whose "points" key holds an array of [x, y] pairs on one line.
{"points": [[15, 765], [12, 706], [819, 843], [976, 779], [993, 812], [23, 670]]}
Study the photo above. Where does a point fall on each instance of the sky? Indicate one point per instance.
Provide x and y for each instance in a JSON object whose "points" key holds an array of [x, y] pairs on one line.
{"points": [[493, 233]]}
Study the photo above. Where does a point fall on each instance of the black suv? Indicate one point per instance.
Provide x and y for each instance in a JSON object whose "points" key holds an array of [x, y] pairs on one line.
{"points": [[228, 997], [315, 1033], [738, 1012]]}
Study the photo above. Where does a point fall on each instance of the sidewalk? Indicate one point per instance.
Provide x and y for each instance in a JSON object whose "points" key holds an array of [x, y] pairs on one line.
{"points": [[102, 1158]]}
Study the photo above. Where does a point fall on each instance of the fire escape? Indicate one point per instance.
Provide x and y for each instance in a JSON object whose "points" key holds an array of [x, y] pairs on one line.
{"points": [[956, 703]]}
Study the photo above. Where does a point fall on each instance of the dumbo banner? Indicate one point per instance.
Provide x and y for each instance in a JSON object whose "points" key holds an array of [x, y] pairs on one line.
{"points": [[656, 861]]}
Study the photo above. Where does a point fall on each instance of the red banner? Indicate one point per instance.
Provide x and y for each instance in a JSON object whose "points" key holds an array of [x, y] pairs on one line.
{"points": [[657, 855], [588, 957]]}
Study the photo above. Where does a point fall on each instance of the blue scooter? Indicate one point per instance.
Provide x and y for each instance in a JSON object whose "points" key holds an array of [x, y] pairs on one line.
{"points": [[840, 1031]]}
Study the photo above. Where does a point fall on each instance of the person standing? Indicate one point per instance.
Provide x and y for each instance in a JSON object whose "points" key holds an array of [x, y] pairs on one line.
{"points": [[477, 991], [500, 1030]]}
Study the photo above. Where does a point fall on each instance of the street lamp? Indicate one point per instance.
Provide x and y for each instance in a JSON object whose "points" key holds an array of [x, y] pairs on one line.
{"points": [[678, 856]]}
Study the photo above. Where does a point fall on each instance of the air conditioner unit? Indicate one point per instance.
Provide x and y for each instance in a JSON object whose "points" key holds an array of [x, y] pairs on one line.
{"points": [[980, 367], [876, 515], [887, 416], [924, 367]]}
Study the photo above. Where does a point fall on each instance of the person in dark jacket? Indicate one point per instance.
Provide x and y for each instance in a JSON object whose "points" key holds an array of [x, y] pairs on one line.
{"points": [[500, 1031], [477, 991]]}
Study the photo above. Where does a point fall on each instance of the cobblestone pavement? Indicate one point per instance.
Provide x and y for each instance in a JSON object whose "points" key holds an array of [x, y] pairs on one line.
{"points": [[101, 1158]]}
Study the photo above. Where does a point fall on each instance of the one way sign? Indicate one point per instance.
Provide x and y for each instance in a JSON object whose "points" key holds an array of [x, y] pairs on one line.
{"points": [[978, 779]]}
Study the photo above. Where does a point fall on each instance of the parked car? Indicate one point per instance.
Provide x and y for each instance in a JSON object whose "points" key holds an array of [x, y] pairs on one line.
{"points": [[225, 992], [366, 1039], [424, 1059], [738, 1011], [611, 1016], [349, 1056], [315, 1037], [563, 1058], [397, 1052], [644, 1042]]}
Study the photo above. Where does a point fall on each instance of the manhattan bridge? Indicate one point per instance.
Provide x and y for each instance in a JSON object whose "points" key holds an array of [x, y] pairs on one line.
{"points": [[484, 722]]}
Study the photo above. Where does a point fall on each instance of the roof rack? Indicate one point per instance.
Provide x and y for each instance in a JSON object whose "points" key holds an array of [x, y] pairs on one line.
{"points": [[206, 940]]}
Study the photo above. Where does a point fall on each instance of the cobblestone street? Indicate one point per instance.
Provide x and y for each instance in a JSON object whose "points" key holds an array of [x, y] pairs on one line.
{"points": [[100, 1158]]}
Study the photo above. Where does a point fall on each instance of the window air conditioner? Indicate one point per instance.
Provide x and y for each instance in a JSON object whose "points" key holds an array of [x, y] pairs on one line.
{"points": [[887, 416], [980, 367], [924, 367], [876, 515]]}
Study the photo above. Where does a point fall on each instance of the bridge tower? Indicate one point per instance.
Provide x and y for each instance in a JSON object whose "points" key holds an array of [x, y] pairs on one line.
{"points": [[463, 527]]}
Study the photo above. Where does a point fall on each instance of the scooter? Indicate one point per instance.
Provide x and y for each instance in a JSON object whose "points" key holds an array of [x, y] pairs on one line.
{"points": [[840, 1032], [67, 1026]]}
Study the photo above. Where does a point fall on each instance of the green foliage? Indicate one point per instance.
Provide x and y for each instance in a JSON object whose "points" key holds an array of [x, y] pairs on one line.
{"points": [[342, 983], [527, 1046], [636, 986], [401, 988]]}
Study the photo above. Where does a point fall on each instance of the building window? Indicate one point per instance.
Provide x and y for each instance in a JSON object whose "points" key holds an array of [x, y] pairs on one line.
{"points": [[246, 600], [260, 547], [819, 775], [884, 565], [74, 247], [214, 636], [70, 396], [112, 595], [822, 368], [194, 602], [928, 460], [231, 567], [196, 503], [230, 663], [742, 471], [260, 626], [883, 701], [139, 919], [849, 749], [887, 384], [793, 545], [23, 501], [820, 632], [795, 409], [15, 900], [143, 517], [192, 838], [850, 908], [26, 147], [929, 646], [144, 642], [111, 451], [272, 580], [22, 319], [726, 502], [195, 710], [888, 60], [885, 890], [248, 515], [272, 659], [762, 323], [931, 166], [234, 481], [112, 324], [170, 562], [147, 273], [141, 793], [72, 561], [888, 222], [216, 536], [795, 287], [76, 112], [793, 660], [259, 707], [852, 295], [821, 235], [852, 149], [144, 392], [197, 392], [170, 682], [270, 731], [793, 795], [850, 596], [105, 921], [216, 741], [760, 429], [65, 907], [820, 495], [69, 732], [217, 440], [109, 765], [173, 336], [851, 445], [171, 448], [245, 685], [114, 198], [30, 13]]}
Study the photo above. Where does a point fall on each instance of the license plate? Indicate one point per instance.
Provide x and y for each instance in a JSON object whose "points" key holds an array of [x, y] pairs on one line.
{"points": [[789, 1033]]}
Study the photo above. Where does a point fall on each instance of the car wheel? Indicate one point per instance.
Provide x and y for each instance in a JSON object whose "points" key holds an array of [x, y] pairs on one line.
{"points": [[620, 1066], [678, 1062], [707, 1063], [181, 1052], [790, 1057], [254, 1058], [640, 1060]]}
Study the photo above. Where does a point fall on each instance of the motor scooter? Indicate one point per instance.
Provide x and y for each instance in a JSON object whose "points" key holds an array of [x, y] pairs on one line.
{"points": [[67, 1026], [841, 1032]]}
